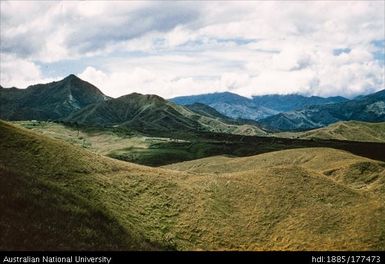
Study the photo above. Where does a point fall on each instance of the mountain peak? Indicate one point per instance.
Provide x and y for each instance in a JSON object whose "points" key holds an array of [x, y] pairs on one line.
{"points": [[71, 77], [54, 100], [77, 85]]}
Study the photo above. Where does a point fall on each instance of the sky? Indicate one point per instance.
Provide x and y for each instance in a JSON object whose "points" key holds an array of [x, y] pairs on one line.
{"points": [[323, 48]]}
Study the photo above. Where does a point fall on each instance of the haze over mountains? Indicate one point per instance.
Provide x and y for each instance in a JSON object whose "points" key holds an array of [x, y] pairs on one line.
{"points": [[257, 107], [74, 100], [369, 108], [294, 112]]}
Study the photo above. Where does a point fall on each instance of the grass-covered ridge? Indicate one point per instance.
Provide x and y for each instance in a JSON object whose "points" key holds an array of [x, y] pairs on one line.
{"points": [[346, 130], [58, 196]]}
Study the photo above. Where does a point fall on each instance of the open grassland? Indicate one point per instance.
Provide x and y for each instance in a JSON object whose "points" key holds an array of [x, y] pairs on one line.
{"points": [[347, 130], [101, 141], [54, 195], [130, 146]]}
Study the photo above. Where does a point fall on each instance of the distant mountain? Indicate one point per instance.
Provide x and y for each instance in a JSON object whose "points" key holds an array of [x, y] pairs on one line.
{"points": [[370, 108], [258, 107], [229, 104], [208, 111], [290, 102], [209, 99], [53, 100]]}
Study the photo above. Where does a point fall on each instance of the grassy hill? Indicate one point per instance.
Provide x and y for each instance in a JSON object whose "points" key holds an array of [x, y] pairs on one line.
{"points": [[299, 199], [357, 172], [348, 130], [54, 195], [58, 196]]}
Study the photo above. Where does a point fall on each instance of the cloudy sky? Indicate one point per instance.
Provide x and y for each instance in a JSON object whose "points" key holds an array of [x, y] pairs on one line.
{"points": [[181, 48]]}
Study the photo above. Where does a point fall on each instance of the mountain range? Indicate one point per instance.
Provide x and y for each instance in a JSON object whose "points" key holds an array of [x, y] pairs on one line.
{"points": [[256, 107], [370, 108], [293, 112], [76, 101]]}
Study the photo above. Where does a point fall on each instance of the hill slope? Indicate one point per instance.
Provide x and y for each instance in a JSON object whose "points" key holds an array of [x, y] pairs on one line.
{"points": [[370, 108], [50, 196], [264, 202], [48, 101], [345, 130]]}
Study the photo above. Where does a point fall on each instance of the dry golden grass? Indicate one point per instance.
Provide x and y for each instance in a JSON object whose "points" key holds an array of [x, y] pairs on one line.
{"points": [[303, 199]]}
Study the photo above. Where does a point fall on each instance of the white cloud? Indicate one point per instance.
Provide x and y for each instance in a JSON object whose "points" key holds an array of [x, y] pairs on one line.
{"points": [[19, 73], [142, 80], [178, 36], [186, 48]]}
